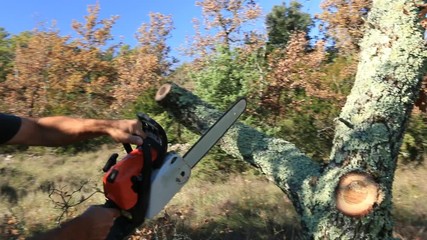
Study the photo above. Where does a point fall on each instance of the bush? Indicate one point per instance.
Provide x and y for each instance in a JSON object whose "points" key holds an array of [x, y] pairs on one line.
{"points": [[414, 146]]}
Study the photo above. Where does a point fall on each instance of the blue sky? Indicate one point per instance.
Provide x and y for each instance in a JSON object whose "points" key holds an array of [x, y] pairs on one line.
{"points": [[22, 15]]}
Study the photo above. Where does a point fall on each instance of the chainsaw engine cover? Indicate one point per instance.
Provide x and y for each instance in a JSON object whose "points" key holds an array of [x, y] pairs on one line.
{"points": [[121, 180]]}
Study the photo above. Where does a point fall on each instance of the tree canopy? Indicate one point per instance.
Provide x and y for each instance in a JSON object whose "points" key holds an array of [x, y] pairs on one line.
{"points": [[283, 21]]}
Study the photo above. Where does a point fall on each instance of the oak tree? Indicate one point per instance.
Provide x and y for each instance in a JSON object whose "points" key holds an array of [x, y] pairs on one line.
{"points": [[350, 196], [144, 66], [344, 22]]}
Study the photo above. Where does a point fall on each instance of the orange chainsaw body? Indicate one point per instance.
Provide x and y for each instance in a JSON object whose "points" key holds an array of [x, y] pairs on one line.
{"points": [[118, 184]]}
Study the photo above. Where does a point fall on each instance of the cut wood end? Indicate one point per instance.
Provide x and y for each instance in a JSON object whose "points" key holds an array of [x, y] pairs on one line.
{"points": [[163, 91], [356, 194]]}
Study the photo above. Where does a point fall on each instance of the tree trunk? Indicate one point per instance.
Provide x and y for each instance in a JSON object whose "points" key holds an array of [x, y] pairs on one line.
{"points": [[350, 197]]}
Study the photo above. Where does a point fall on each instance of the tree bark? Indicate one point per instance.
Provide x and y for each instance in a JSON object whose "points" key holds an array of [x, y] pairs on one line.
{"points": [[350, 197], [278, 159]]}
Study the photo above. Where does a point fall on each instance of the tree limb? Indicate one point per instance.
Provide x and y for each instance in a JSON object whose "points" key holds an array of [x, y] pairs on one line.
{"points": [[279, 160]]}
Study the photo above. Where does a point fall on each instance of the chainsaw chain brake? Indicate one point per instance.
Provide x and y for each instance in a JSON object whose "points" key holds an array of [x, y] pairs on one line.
{"points": [[154, 131]]}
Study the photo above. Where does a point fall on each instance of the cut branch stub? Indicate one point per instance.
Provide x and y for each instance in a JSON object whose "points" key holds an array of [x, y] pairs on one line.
{"points": [[356, 194], [163, 91]]}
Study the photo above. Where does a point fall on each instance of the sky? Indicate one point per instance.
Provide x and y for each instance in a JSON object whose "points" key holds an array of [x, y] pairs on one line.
{"points": [[23, 15]]}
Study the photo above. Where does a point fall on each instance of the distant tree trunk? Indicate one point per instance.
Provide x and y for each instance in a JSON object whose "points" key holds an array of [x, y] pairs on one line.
{"points": [[350, 197]]}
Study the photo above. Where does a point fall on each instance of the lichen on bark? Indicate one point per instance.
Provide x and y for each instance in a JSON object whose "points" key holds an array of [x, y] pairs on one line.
{"points": [[392, 62], [280, 160]]}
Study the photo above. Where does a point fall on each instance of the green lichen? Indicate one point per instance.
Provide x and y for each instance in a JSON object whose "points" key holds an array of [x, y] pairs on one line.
{"points": [[391, 65]]}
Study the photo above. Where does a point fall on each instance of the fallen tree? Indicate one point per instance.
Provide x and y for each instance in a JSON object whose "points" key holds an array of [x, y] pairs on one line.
{"points": [[349, 197]]}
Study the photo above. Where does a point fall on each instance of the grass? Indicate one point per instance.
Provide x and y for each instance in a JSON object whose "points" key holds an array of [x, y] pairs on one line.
{"points": [[410, 208], [238, 206], [26, 181]]}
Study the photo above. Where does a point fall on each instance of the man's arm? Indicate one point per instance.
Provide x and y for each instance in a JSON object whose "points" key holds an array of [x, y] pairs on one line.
{"points": [[61, 130], [93, 224]]}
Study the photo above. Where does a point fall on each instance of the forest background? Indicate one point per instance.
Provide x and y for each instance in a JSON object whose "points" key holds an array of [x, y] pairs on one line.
{"points": [[296, 83]]}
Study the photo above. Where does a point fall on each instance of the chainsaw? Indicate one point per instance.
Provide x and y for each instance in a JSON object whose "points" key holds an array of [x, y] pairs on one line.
{"points": [[148, 177]]}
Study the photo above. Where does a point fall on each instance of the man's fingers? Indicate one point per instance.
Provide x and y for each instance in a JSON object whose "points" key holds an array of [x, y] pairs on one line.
{"points": [[137, 140], [126, 137], [127, 131], [114, 212], [137, 130], [140, 133]]}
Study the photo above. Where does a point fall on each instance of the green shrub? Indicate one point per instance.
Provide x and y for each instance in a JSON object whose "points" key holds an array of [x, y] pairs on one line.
{"points": [[414, 146]]}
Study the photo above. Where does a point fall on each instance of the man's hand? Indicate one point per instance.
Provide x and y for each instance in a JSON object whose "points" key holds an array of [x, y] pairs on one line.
{"points": [[96, 222], [126, 131]]}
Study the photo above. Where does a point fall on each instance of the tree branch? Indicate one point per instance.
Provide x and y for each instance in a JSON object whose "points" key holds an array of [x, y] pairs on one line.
{"points": [[279, 160]]}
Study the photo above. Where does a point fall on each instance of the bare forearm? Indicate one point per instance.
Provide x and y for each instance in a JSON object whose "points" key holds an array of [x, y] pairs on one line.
{"points": [[94, 224], [67, 231], [61, 130]]}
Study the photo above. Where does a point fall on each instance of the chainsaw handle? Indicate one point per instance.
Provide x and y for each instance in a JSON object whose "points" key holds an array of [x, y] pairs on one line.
{"points": [[127, 147], [121, 228]]}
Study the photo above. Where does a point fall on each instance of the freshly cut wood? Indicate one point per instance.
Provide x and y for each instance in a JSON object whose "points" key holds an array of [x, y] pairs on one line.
{"points": [[356, 194]]}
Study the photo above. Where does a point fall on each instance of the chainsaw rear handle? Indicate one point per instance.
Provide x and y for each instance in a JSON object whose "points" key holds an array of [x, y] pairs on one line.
{"points": [[122, 226], [121, 229]]}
